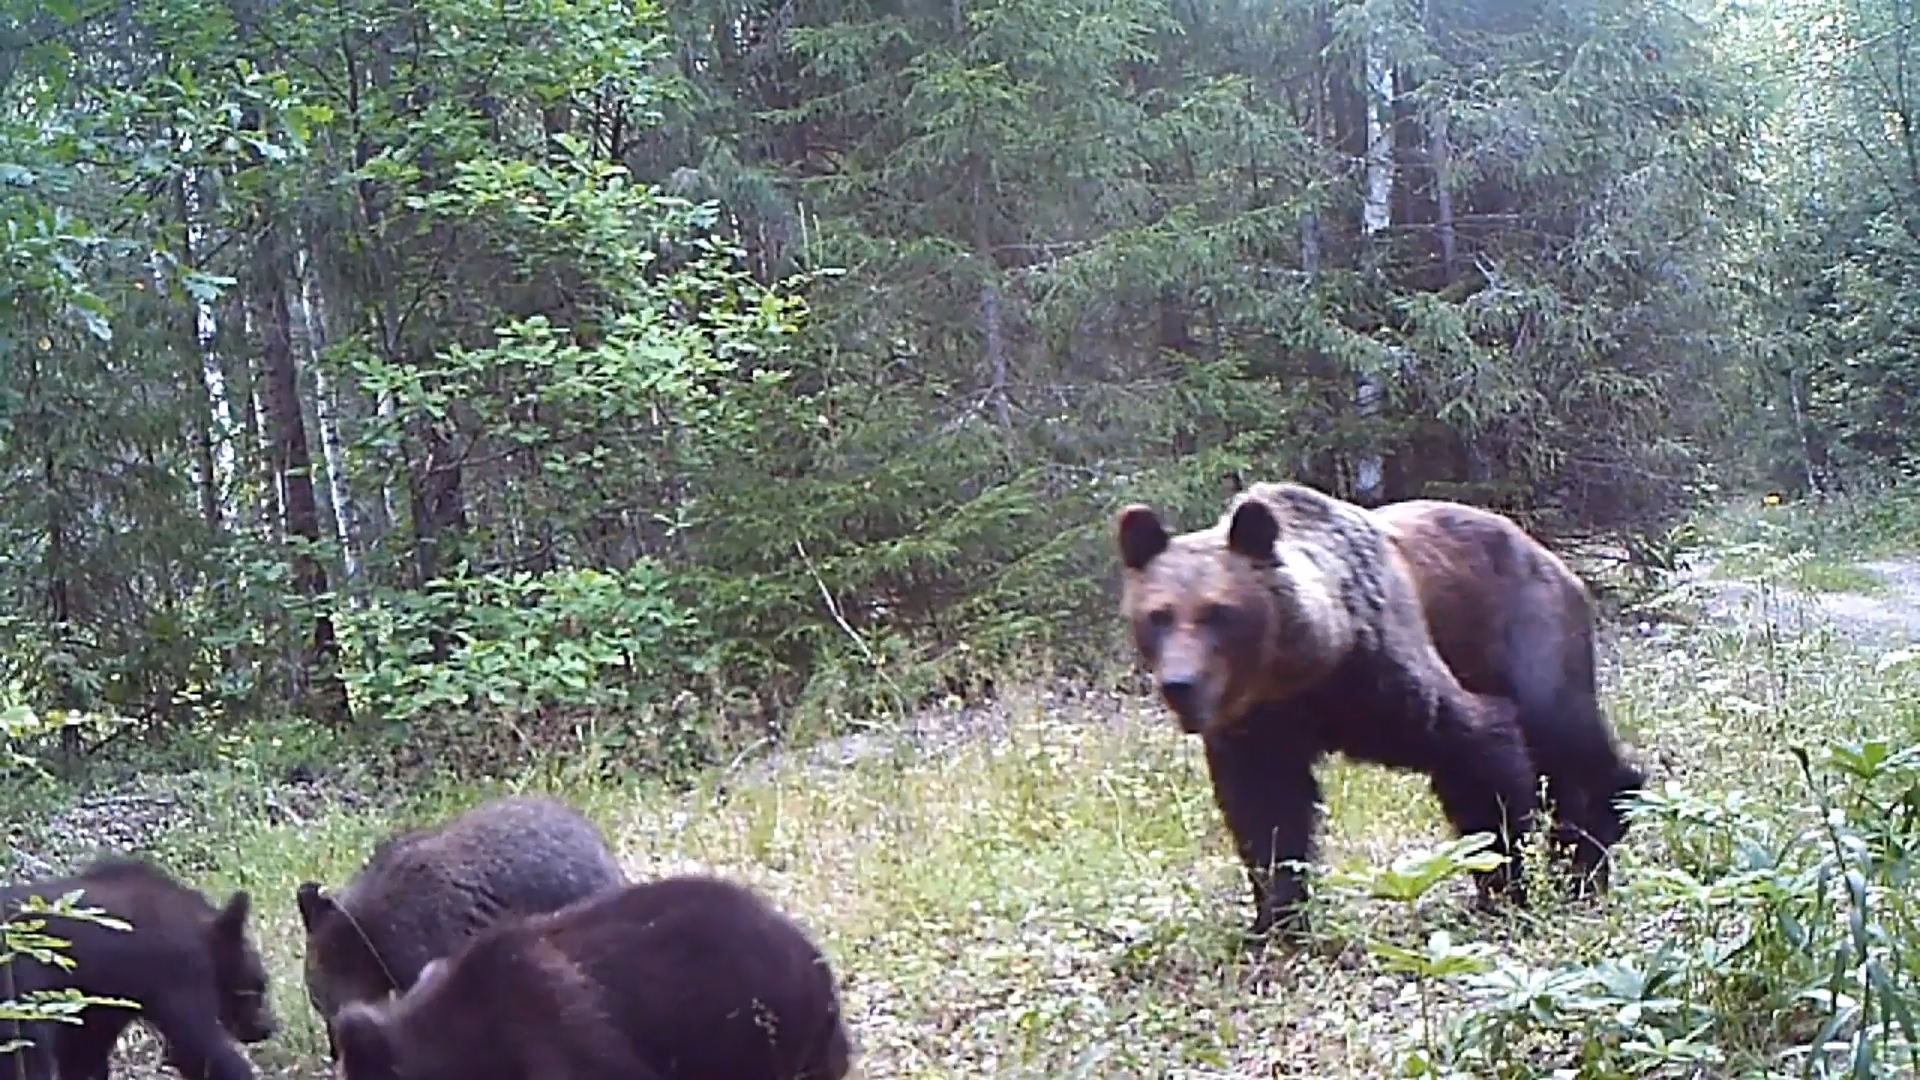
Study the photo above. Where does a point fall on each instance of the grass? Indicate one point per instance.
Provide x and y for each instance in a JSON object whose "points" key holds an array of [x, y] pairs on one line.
{"points": [[1057, 901], [1869, 524], [1814, 573], [1056, 897], [1828, 540]]}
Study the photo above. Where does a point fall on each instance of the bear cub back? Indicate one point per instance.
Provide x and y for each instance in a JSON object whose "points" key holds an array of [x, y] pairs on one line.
{"points": [[425, 892], [193, 969], [682, 977]]}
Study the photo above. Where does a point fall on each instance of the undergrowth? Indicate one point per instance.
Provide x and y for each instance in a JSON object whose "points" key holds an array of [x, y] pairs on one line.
{"points": [[1042, 887]]}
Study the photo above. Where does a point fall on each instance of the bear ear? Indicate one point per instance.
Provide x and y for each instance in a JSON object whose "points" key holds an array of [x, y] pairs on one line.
{"points": [[232, 920], [1253, 530], [435, 970], [361, 1043], [1142, 538], [313, 904]]}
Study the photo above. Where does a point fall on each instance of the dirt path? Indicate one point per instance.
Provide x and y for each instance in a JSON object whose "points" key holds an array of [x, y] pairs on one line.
{"points": [[1888, 617]]}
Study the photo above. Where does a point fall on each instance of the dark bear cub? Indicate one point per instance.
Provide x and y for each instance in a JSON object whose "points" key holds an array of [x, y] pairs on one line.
{"points": [[686, 977], [425, 892], [192, 968], [1288, 631]]}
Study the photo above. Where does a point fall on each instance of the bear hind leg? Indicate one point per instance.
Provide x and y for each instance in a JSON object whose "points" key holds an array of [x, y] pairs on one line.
{"points": [[1568, 738], [1588, 837], [1485, 782]]}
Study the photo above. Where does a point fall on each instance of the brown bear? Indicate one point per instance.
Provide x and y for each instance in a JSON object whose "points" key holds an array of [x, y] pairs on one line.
{"points": [[684, 977], [424, 892], [1289, 630], [1510, 618], [192, 969]]}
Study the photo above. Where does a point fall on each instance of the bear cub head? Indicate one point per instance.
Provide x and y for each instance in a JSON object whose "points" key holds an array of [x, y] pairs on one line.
{"points": [[341, 965], [240, 974], [1234, 615]]}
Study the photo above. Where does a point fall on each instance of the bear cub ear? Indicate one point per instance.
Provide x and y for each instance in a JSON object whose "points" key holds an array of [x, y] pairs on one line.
{"points": [[1253, 531], [232, 920], [313, 905], [362, 1044], [1141, 536]]}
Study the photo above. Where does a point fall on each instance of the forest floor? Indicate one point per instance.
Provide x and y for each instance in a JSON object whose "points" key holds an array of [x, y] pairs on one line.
{"points": [[1041, 887]]}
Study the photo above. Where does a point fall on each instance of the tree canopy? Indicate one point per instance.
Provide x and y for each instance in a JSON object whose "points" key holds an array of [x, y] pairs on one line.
{"points": [[393, 359]]}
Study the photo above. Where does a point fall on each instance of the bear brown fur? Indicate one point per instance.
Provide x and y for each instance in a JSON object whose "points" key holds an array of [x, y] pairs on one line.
{"points": [[192, 969], [423, 893], [1291, 629], [1511, 619], [685, 977]]}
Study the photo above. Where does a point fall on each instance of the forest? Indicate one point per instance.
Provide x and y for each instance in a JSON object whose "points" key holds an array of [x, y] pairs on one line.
{"points": [[716, 414]]}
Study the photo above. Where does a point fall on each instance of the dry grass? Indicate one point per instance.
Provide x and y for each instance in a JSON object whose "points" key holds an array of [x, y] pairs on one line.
{"points": [[1058, 900]]}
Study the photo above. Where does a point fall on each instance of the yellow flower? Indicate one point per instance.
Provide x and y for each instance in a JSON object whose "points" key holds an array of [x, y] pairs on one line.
{"points": [[1770, 499]]}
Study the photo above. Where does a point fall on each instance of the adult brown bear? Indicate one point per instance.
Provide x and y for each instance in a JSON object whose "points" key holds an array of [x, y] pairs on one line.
{"points": [[1511, 619], [1292, 629], [684, 978]]}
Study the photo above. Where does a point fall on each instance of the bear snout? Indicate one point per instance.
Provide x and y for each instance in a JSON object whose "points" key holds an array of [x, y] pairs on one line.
{"points": [[258, 1028], [1182, 695]]}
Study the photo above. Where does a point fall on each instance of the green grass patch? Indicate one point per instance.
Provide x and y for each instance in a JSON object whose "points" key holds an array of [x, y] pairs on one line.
{"points": [[1868, 525], [1810, 574], [1053, 895]]}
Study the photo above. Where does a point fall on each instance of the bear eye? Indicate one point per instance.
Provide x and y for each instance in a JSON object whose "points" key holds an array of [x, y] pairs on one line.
{"points": [[1160, 618], [1216, 615]]}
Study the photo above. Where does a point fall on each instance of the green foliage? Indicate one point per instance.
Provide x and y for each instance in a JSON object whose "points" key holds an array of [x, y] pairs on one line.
{"points": [[568, 640], [1788, 929], [24, 933], [847, 327], [24, 731], [1830, 266]]}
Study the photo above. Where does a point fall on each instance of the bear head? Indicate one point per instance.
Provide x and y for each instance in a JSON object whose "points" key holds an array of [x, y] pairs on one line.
{"points": [[363, 1046], [1232, 616], [239, 973], [341, 964], [473, 1017], [370, 1042]]}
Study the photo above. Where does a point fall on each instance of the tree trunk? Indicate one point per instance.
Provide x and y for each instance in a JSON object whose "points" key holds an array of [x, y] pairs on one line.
{"points": [[54, 564], [270, 515], [292, 465], [1376, 214], [1310, 239], [213, 453], [992, 328], [1441, 153], [439, 502], [346, 520]]}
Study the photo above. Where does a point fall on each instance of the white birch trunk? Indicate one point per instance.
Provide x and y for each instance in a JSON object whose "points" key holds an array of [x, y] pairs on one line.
{"points": [[272, 514], [310, 325], [206, 325], [1376, 214], [388, 502]]}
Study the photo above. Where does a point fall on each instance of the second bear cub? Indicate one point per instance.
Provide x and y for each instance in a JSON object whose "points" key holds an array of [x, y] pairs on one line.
{"points": [[682, 977]]}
